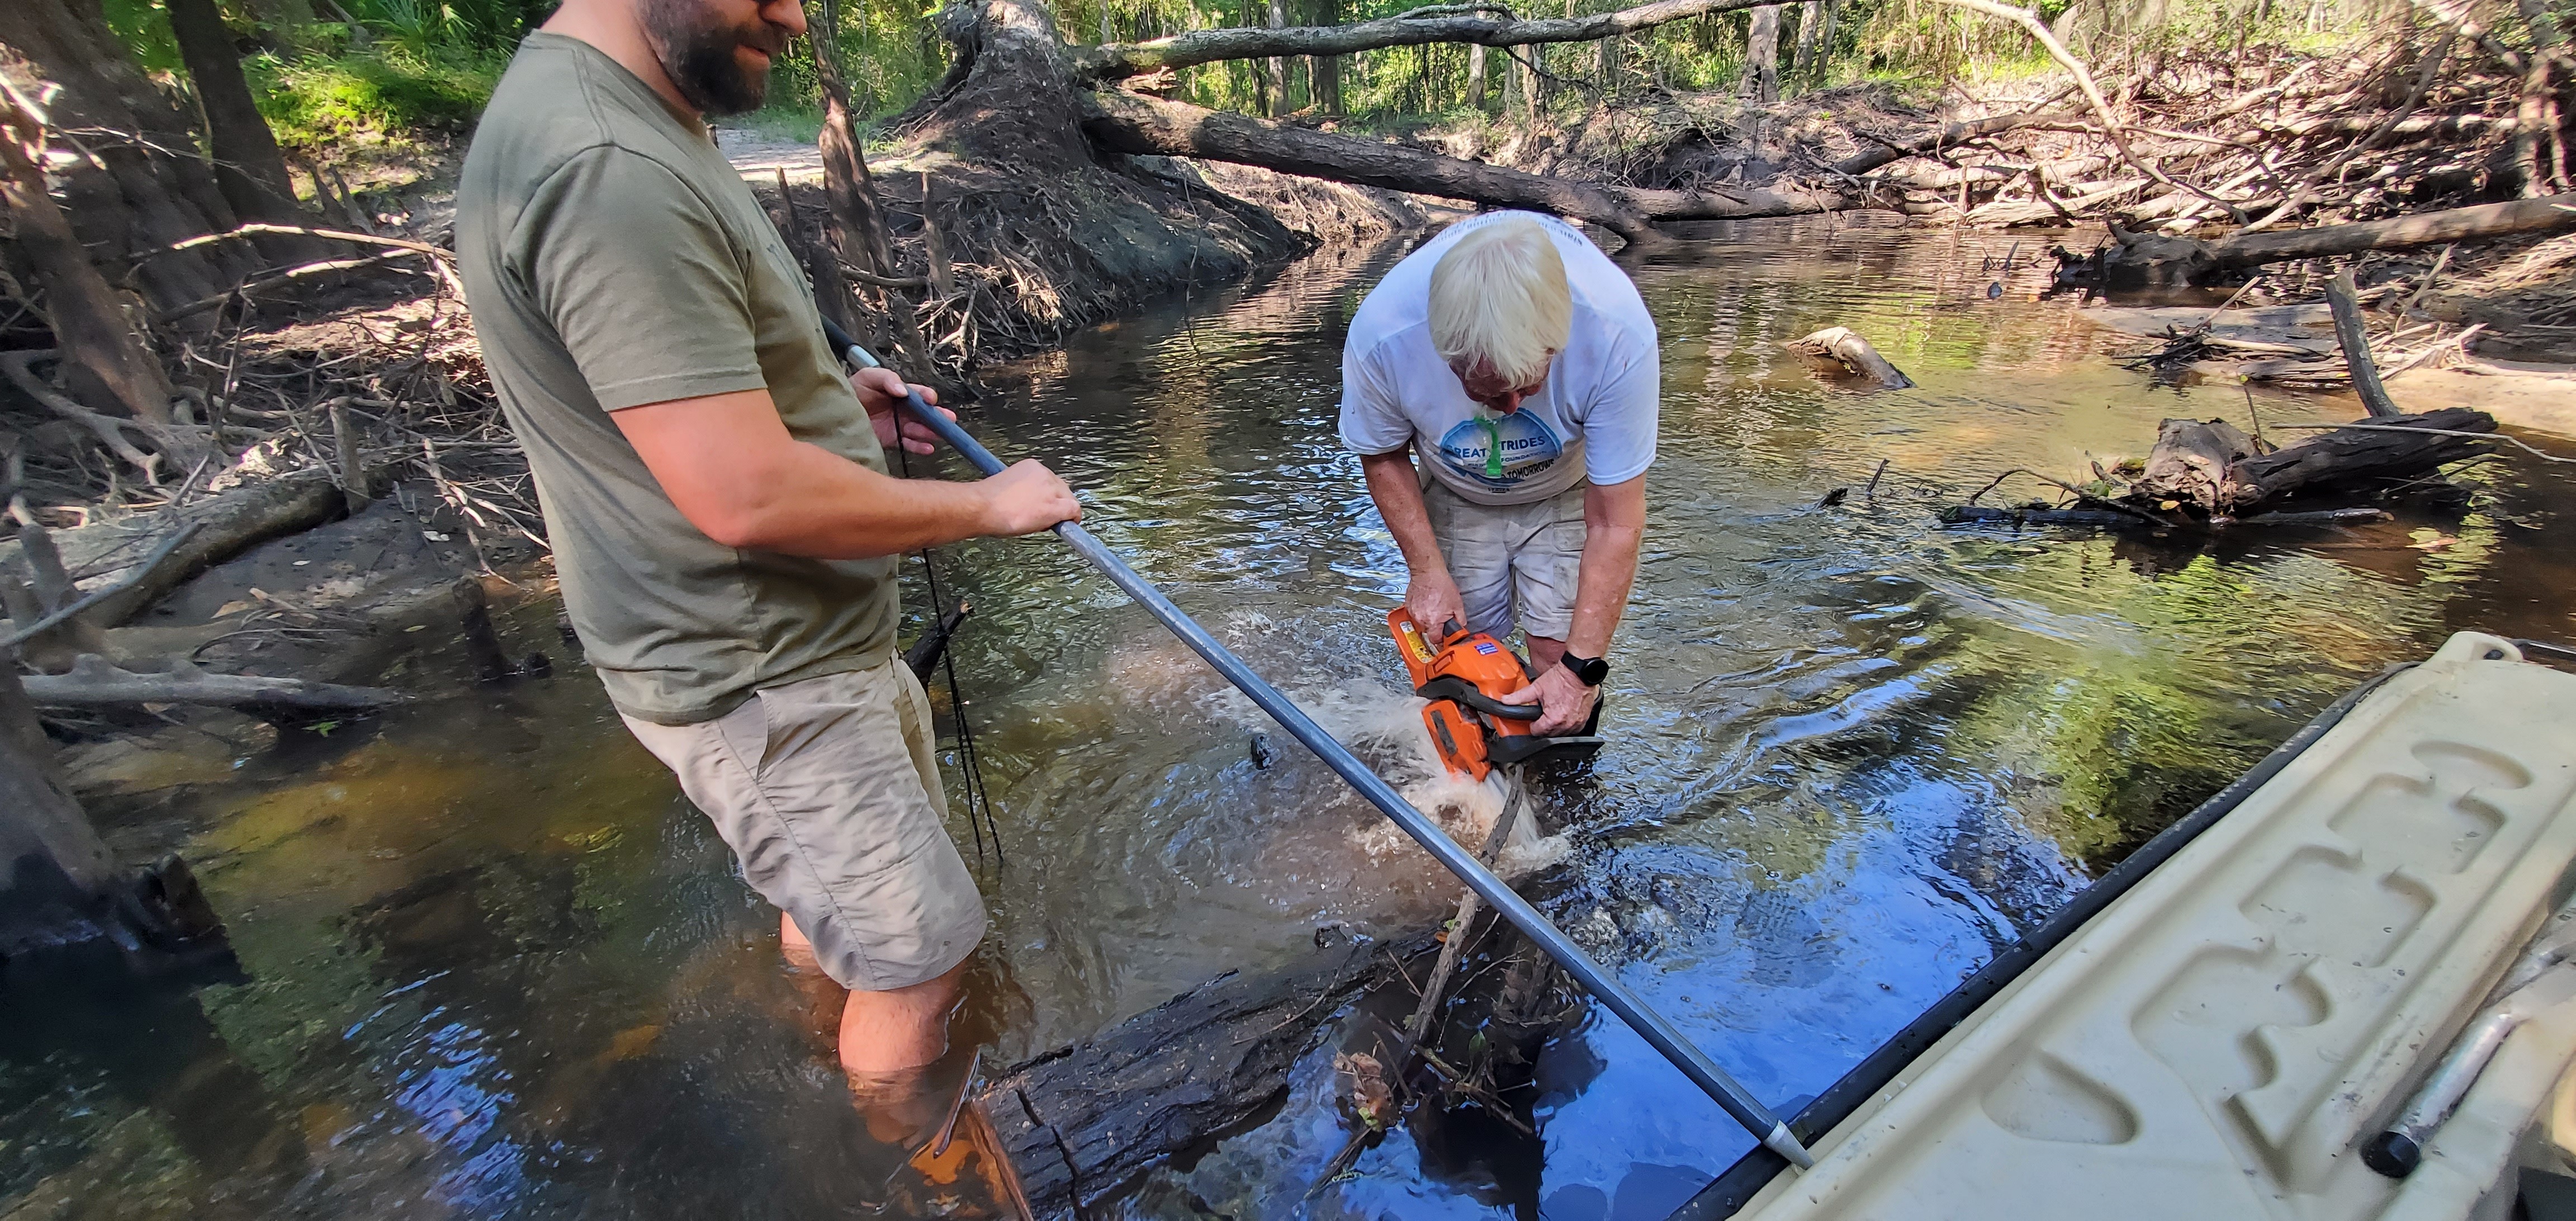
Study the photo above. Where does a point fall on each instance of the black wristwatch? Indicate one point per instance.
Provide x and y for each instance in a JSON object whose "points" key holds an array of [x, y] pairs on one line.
{"points": [[1590, 669]]}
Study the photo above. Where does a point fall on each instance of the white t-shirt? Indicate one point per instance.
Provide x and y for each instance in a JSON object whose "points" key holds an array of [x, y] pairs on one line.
{"points": [[1594, 417]]}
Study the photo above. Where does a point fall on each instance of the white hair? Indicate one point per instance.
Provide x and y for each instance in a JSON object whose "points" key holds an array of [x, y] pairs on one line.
{"points": [[1499, 297]]}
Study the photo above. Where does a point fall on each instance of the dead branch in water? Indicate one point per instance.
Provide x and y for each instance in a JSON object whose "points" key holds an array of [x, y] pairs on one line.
{"points": [[93, 682], [2354, 338]]}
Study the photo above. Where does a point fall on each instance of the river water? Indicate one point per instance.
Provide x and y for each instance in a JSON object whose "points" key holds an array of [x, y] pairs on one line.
{"points": [[493, 966]]}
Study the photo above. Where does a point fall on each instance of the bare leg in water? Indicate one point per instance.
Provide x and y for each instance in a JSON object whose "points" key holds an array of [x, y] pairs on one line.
{"points": [[905, 1078], [885, 1031]]}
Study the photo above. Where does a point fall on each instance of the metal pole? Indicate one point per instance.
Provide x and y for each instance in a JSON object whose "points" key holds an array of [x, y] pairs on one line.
{"points": [[1648, 1024]]}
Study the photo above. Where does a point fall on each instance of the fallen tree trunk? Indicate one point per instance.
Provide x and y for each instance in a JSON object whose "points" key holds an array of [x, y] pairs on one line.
{"points": [[1082, 1123], [1114, 61], [93, 683], [2351, 458], [1130, 123], [2144, 259], [2549, 214], [2217, 468], [227, 526]]}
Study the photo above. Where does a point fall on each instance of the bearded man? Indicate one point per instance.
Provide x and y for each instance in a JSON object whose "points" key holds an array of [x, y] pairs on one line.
{"points": [[1517, 364], [724, 527]]}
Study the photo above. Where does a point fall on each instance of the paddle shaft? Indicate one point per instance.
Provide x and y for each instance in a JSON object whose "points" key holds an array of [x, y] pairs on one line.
{"points": [[1649, 1025]]}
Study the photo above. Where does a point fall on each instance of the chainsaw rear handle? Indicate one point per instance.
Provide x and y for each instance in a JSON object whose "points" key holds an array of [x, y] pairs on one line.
{"points": [[1452, 687]]}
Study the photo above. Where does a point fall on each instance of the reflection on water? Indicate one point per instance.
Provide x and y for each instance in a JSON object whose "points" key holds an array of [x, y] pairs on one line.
{"points": [[495, 967]]}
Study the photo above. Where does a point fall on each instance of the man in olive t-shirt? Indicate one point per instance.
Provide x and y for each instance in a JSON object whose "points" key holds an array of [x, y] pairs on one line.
{"points": [[715, 487]]}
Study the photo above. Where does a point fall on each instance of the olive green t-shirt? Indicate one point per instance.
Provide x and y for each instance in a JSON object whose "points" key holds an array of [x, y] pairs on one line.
{"points": [[613, 259]]}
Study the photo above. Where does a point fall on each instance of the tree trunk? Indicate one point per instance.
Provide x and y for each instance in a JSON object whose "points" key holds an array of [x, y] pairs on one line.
{"points": [[1811, 14], [111, 370], [1605, 64], [248, 166], [2537, 143], [1525, 67], [1009, 98], [1324, 72], [134, 183], [1476, 77], [1211, 46], [853, 191], [1274, 70], [1762, 55]]}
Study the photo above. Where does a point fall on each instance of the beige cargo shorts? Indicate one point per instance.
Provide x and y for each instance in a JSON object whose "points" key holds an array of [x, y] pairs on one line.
{"points": [[828, 791], [1512, 562]]}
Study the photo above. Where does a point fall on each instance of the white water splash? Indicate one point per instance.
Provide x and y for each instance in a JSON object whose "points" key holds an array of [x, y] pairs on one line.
{"points": [[1385, 725]]}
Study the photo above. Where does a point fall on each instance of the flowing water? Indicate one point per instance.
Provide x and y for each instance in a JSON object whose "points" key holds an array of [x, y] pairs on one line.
{"points": [[492, 966]]}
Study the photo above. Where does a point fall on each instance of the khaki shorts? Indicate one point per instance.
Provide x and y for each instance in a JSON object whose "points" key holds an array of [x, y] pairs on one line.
{"points": [[1512, 562], [828, 791]]}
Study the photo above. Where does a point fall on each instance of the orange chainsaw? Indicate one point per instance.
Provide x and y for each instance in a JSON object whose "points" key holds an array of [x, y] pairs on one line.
{"points": [[1465, 679]]}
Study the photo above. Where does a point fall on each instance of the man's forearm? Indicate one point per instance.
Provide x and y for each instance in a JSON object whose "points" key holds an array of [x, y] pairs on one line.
{"points": [[809, 501], [1614, 524], [1601, 592], [1398, 493]]}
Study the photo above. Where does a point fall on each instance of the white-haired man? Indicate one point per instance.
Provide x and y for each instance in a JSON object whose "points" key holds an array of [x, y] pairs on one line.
{"points": [[1518, 365]]}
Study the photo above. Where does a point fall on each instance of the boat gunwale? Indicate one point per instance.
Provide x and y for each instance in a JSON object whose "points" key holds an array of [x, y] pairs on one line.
{"points": [[1741, 1182]]}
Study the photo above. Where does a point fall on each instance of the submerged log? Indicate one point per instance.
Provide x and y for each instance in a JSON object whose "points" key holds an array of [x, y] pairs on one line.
{"points": [[1840, 349], [1084, 1122]]}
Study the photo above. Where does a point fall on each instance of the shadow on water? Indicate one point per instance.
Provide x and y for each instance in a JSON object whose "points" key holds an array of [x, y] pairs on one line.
{"points": [[495, 967]]}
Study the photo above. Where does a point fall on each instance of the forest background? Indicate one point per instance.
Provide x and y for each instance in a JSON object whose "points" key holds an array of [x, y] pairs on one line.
{"points": [[370, 81]]}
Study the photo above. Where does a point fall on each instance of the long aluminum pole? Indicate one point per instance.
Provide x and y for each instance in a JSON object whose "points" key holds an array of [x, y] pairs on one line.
{"points": [[1648, 1024]]}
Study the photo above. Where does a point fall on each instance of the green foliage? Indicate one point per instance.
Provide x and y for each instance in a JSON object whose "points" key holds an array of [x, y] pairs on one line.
{"points": [[320, 100], [396, 66]]}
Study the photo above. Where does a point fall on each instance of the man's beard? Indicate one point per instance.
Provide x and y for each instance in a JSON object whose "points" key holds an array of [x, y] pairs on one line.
{"points": [[700, 56]]}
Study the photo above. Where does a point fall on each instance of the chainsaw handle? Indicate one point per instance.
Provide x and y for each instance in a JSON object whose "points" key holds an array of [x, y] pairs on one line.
{"points": [[1452, 687]]}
